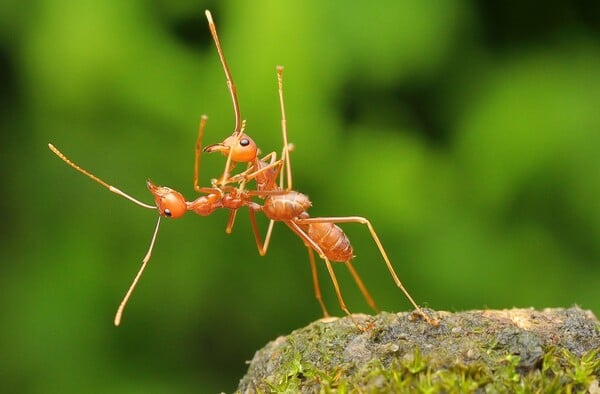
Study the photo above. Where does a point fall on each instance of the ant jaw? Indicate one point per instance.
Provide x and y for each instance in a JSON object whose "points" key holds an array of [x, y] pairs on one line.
{"points": [[220, 147], [170, 203]]}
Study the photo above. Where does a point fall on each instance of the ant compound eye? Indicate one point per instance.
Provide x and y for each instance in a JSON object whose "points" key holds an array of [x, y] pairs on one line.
{"points": [[167, 212], [244, 142]]}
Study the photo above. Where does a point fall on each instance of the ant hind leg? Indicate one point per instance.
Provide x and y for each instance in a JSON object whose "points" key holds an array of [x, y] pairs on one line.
{"points": [[362, 220], [309, 242], [361, 286], [315, 277]]}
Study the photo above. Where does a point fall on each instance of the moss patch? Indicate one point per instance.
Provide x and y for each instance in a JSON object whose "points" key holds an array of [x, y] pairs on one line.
{"points": [[518, 350]]}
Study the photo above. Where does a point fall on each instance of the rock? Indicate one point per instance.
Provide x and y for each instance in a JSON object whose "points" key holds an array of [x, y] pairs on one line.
{"points": [[472, 351]]}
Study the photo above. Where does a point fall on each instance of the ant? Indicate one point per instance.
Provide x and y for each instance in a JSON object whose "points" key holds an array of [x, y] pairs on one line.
{"points": [[320, 234], [280, 204]]}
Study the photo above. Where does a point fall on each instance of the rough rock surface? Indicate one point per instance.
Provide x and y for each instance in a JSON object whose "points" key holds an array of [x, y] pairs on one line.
{"points": [[472, 351]]}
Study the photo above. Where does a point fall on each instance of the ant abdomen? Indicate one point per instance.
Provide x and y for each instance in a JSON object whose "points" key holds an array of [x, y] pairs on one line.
{"points": [[332, 240], [286, 206]]}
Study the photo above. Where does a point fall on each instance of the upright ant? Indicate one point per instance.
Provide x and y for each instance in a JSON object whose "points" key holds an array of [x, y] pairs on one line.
{"points": [[320, 234], [280, 204]]}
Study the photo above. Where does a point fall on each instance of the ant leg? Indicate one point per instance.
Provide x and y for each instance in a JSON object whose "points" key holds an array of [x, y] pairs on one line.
{"points": [[361, 286], [119, 313], [271, 156], [259, 244], [313, 269], [362, 220], [268, 235], [262, 247], [310, 245], [239, 190], [231, 221], [285, 154], [293, 225], [251, 173], [198, 152], [96, 179], [276, 166]]}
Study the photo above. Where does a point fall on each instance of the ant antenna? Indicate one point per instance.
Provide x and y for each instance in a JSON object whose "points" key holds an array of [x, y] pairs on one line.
{"points": [[95, 178], [113, 189], [230, 84], [119, 313]]}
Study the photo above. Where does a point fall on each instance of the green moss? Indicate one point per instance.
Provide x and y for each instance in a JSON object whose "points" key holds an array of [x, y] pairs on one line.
{"points": [[561, 372], [520, 351]]}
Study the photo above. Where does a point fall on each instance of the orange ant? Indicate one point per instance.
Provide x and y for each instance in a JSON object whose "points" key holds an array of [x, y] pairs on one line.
{"points": [[319, 234]]}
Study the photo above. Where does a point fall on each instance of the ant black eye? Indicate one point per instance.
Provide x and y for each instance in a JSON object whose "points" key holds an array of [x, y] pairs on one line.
{"points": [[244, 142], [167, 212]]}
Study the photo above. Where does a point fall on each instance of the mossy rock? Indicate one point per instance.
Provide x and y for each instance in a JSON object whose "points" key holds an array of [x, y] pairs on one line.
{"points": [[517, 350]]}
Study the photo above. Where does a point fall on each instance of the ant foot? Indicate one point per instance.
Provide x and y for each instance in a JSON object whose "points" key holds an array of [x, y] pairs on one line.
{"points": [[421, 315]]}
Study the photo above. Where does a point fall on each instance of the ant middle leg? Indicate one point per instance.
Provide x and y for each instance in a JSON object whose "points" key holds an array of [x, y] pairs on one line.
{"points": [[361, 286]]}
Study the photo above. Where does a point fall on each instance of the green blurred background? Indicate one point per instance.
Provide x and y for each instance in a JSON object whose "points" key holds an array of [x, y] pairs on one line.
{"points": [[468, 132]]}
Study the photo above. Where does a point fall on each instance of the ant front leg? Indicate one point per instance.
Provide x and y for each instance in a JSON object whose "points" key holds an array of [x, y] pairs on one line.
{"points": [[263, 172], [362, 220], [260, 245], [119, 314], [285, 154], [198, 153]]}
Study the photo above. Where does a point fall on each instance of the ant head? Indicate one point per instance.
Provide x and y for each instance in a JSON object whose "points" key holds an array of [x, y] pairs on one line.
{"points": [[169, 202], [243, 148]]}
